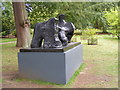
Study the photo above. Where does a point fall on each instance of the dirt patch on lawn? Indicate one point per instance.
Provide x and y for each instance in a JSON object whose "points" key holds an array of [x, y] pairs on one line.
{"points": [[10, 75], [86, 79], [9, 81]]}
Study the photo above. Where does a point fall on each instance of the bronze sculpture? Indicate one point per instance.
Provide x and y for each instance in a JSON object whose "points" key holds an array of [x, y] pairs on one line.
{"points": [[46, 31], [66, 30], [55, 33]]}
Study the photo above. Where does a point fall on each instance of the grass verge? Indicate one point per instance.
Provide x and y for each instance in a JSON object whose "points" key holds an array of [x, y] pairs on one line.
{"points": [[2, 40]]}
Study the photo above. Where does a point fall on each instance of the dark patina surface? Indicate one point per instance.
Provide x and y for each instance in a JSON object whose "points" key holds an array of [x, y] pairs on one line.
{"points": [[53, 33], [46, 31], [66, 30]]}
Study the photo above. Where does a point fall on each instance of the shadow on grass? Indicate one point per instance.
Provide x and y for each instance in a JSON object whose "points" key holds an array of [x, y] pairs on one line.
{"points": [[17, 78]]}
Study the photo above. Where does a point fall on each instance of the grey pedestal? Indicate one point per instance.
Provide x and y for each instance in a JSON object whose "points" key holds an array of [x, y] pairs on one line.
{"points": [[55, 66]]}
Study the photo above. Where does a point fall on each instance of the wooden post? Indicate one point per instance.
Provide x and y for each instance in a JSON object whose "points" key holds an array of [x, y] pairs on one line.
{"points": [[22, 24]]}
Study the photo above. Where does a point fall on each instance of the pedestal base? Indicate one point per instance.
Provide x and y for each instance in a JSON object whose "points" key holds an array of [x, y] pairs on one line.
{"points": [[51, 66]]}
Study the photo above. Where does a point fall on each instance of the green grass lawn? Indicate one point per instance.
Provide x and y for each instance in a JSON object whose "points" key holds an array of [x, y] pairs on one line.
{"points": [[104, 58], [2, 40], [105, 54]]}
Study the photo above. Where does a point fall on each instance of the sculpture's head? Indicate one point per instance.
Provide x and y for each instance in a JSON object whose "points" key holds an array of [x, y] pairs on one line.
{"points": [[52, 21], [61, 17]]}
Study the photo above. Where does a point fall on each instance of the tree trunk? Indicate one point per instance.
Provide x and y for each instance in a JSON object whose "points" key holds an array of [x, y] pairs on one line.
{"points": [[22, 24], [104, 30]]}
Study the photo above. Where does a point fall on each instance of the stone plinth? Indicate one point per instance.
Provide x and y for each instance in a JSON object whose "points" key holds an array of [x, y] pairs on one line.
{"points": [[55, 65]]}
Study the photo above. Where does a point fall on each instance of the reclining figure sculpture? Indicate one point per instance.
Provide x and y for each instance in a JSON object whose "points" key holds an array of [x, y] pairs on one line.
{"points": [[53, 33]]}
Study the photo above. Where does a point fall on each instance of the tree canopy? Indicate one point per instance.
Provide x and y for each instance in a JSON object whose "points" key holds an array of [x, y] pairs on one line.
{"points": [[82, 14]]}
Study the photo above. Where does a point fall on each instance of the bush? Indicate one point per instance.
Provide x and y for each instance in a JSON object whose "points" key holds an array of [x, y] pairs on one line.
{"points": [[89, 33], [78, 32], [4, 33], [114, 32]]}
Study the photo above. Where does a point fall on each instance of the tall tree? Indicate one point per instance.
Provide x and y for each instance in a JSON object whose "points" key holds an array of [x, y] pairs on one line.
{"points": [[22, 24]]}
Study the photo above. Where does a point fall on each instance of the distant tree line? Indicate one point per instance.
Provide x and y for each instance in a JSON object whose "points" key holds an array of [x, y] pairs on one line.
{"points": [[82, 14]]}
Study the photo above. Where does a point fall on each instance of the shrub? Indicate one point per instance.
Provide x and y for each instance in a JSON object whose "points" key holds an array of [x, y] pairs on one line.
{"points": [[89, 33], [4, 33], [78, 32]]}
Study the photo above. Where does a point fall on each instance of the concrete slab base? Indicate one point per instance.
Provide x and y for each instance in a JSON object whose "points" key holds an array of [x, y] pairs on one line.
{"points": [[56, 67]]}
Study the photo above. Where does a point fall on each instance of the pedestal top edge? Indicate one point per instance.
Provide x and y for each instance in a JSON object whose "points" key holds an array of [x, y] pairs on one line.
{"points": [[62, 49]]}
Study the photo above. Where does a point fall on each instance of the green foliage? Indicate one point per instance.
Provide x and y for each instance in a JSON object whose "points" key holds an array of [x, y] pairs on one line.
{"points": [[40, 11], [85, 14], [78, 32], [89, 33], [7, 18], [112, 18], [4, 33], [82, 14], [14, 33], [97, 12], [113, 21]]}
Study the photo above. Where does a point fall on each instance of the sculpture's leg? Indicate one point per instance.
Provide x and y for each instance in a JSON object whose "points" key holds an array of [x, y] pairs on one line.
{"points": [[47, 40], [63, 38], [37, 38], [57, 42], [51, 41], [46, 43], [69, 36], [36, 43]]}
